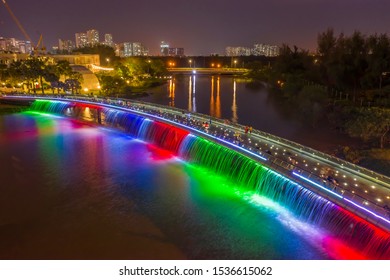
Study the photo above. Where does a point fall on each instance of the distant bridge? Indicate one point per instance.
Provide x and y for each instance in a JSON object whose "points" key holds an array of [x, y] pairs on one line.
{"points": [[208, 71]]}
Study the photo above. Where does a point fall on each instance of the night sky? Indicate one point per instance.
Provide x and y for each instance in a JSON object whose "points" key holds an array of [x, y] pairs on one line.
{"points": [[201, 27]]}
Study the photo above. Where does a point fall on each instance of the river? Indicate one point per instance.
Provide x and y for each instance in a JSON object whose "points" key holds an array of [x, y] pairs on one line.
{"points": [[71, 190], [228, 97]]}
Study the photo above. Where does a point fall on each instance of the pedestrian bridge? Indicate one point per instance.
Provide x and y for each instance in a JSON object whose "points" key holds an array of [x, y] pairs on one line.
{"points": [[359, 191], [208, 71]]}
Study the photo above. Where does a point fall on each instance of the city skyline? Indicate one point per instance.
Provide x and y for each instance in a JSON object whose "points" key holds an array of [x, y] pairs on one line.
{"points": [[200, 27]]}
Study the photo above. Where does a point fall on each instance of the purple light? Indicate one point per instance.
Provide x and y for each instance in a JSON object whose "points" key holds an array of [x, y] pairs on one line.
{"points": [[368, 211]]}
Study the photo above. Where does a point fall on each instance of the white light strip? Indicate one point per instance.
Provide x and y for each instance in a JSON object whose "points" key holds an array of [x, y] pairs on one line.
{"points": [[316, 184]]}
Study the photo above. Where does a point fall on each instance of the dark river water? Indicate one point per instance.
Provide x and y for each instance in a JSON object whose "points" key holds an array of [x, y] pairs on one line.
{"points": [[229, 98]]}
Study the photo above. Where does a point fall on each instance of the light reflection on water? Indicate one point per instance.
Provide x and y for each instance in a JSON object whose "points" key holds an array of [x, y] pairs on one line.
{"points": [[74, 191], [229, 98]]}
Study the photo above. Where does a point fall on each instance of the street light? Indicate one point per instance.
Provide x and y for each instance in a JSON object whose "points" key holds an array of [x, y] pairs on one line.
{"points": [[190, 61], [235, 63], [149, 61]]}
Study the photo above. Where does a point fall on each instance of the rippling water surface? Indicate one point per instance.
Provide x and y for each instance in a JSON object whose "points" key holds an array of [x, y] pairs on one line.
{"points": [[76, 191]]}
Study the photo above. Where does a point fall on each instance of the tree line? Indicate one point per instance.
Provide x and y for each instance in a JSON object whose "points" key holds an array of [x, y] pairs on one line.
{"points": [[39, 73], [128, 75], [346, 82]]}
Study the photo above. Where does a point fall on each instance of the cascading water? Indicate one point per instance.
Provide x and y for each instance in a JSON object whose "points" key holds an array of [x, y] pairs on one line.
{"points": [[306, 205], [51, 107], [157, 133]]}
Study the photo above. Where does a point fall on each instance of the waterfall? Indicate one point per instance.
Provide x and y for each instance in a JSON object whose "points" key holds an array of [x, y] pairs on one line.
{"points": [[303, 203], [51, 107], [246, 172]]}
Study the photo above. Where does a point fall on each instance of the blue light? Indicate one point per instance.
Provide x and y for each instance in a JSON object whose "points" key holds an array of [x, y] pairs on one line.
{"points": [[316, 184]]}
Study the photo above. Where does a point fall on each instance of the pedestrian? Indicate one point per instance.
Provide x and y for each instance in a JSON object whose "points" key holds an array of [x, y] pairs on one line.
{"points": [[250, 130], [246, 129]]}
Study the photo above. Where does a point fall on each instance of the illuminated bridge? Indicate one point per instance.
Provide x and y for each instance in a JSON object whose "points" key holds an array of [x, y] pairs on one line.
{"points": [[208, 71], [346, 199]]}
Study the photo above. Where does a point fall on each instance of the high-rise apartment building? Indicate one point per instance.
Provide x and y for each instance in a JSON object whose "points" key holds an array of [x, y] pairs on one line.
{"points": [[266, 50], [131, 49], [108, 40], [126, 50], [176, 51], [65, 45], [93, 37], [257, 50], [238, 51], [138, 49], [14, 45], [164, 48], [81, 39]]}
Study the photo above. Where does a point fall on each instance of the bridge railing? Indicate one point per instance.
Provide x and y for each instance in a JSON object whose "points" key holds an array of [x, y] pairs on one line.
{"points": [[342, 164]]}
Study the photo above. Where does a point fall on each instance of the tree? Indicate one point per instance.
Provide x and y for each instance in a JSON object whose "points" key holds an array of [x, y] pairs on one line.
{"points": [[378, 61], [4, 74], [106, 53], [51, 75], [293, 61], [74, 82], [63, 68], [326, 42], [111, 84], [370, 124], [34, 70]]}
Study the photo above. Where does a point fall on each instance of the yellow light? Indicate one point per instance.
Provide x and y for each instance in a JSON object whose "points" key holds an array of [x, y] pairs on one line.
{"points": [[85, 89]]}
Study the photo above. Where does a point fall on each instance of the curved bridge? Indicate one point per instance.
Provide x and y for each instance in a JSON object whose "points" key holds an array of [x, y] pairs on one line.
{"points": [[360, 191]]}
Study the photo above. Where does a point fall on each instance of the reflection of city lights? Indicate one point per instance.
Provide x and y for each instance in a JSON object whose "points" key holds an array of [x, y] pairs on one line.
{"points": [[95, 67], [234, 105]]}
